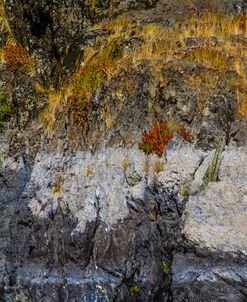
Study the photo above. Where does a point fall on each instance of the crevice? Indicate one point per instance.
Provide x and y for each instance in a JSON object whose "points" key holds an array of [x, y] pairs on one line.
{"points": [[198, 166], [39, 22], [180, 213], [4, 180], [230, 284], [96, 225], [164, 201]]}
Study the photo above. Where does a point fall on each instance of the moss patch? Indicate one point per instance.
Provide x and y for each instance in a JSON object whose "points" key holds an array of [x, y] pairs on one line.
{"points": [[4, 109], [134, 290]]}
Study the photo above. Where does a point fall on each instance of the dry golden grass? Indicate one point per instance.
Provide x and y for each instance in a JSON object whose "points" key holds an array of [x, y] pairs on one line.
{"points": [[209, 57], [202, 96], [121, 27], [99, 66], [54, 102], [242, 102], [159, 45], [213, 25], [3, 20], [206, 79], [173, 125]]}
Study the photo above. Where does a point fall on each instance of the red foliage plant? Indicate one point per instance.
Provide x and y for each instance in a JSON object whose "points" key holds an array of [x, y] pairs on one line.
{"points": [[80, 113], [15, 56], [158, 137]]}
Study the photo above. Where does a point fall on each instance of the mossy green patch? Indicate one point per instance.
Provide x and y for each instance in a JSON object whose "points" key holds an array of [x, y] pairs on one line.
{"points": [[4, 109], [134, 290], [166, 267]]}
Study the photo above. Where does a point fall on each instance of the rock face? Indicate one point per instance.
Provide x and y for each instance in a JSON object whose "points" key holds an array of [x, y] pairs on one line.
{"points": [[215, 229], [74, 219], [227, 198], [61, 28], [56, 31], [85, 214]]}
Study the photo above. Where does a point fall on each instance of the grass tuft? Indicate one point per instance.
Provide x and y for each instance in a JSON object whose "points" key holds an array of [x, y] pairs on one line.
{"points": [[209, 57], [4, 20]]}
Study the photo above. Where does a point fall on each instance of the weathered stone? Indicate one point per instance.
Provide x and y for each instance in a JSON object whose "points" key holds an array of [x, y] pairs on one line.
{"points": [[198, 279], [215, 230], [91, 217], [215, 217]]}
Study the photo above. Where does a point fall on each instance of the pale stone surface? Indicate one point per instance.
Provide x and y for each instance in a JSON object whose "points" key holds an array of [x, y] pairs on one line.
{"points": [[84, 182], [183, 160], [197, 183], [101, 183], [216, 217]]}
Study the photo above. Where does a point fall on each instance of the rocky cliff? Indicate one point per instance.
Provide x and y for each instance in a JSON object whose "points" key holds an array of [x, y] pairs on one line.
{"points": [[123, 151]]}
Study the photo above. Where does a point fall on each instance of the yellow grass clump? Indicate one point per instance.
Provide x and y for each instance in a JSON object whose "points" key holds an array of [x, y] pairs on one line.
{"points": [[3, 19], [209, 57], [242, 102], [219, 47]]}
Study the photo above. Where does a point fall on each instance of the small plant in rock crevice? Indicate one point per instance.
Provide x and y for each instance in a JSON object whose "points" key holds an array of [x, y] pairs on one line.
{"points": [[185, 189], [166, 268], [159, 166], [134, 290], [211, 174], [126, 164], [56, 189], [158, 137]]}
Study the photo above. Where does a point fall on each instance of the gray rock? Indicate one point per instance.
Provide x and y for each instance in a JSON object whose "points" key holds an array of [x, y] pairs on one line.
{"points": [[215, 218], [198, 279], [215, 233], [91, 217]]}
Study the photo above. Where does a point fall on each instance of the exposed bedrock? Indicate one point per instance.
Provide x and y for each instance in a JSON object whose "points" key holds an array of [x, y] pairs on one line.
{"points": [[107, 226], [85, 214], [211, 265], [57, 32], [99, 225]]}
